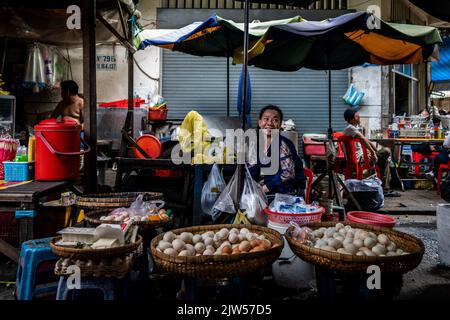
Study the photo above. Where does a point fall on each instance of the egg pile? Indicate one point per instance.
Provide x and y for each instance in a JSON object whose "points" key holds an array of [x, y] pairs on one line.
{"points": [[124, 216], [347, 240], [223, 242]]}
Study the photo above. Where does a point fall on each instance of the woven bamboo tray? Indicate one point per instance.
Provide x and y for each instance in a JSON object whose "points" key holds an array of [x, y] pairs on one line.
{"points": [[353, 263], [113, 200], [218, 266], [93, 217], [94, 254]]}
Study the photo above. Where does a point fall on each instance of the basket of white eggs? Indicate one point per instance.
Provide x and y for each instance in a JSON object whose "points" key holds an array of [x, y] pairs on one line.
{"points": [[216, 251], [353, 247]]}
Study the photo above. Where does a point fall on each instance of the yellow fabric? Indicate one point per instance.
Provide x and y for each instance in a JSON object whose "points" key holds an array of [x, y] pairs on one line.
{"points": [[241, 217], [386, 50], [193, 136]]}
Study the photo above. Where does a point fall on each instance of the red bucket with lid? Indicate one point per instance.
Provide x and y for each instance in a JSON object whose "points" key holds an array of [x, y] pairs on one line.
{"points": [[58, 150]]}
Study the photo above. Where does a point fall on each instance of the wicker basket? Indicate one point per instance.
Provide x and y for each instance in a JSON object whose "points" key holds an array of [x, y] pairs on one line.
{"points": [[94, 254], [218, 266], [353, 263], [113, 200], [93, 217]]}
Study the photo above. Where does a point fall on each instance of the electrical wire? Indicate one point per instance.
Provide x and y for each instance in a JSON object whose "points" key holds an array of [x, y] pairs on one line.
{"points": [[142, 70]]}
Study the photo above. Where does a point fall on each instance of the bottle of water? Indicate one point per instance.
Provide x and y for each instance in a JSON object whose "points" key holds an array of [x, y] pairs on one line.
{"points": [[21, 154]]}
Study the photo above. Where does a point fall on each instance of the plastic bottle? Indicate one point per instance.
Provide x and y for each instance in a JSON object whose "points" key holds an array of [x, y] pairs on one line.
{"points": [[31, 144], [22, 154]]}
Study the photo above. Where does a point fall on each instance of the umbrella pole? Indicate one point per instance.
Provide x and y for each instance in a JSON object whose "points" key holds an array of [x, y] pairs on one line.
{"points": [[241, 168]]}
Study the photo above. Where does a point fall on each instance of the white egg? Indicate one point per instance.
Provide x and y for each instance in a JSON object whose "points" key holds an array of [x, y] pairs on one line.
{"points": [[350, 248], [321, 243], [318, 233], [169, 236], [208, 252], [244, 231], [392, 247], [370, 242], [186, 237], [171, 252], [233, 237], [347, 241], [199, 247], [189, 247], [335, 243], [379, 249], [163, 245], [360, 253], [250, 236], [358, 243], [208, 241], [348, 228], [178, 244], [234, 230], [383, 239], [340, 238], [350, 234], [223, 234], [196, 238], [328, 248], [330, 231], [391, 253], [341, 250], [339, 226]]}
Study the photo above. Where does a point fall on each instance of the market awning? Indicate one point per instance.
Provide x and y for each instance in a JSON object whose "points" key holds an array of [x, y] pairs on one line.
{"points": [[215, 36], [342, 42], [437, 8]]}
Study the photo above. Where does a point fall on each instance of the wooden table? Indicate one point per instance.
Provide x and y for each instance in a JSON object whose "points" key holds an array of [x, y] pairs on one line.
{"points": [[25, 201], [397, 156]]}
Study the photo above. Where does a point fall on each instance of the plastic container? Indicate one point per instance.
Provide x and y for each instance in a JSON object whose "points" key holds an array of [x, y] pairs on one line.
{"points": [[299, 218], [157, 114], [18, 171], [21, 155], [150, 144], [289, 271], [370, 218], [58, 150]]}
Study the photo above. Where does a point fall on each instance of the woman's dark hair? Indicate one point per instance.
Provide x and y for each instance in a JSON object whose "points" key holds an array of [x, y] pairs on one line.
{"points": [[69, 85], [271, 107], [349, 114]]}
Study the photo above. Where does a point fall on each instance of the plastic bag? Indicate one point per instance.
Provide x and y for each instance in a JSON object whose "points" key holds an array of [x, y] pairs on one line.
{"points": [[139, 207], [287, 204], [352, 96], [227, 200], [253, 200], [212, 189], [368, 192], [303, 234]]}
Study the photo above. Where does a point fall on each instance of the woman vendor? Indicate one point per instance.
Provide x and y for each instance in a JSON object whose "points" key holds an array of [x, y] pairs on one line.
{"points": [[289, 177]]}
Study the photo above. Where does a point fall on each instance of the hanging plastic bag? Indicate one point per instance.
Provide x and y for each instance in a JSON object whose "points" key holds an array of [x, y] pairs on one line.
{"points": [[353, 97], [253, 200], [212, 189], [227, 200]]}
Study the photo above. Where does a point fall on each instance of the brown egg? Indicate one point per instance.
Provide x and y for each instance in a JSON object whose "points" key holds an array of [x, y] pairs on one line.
{"points": [[245, 246], [235, 251], [255, 243], [256, 249], [275, 245], [266, 244], [227, 250]]}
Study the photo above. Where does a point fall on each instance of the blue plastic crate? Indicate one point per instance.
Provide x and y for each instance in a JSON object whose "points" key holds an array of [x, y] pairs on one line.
{"points": [[18, 171]]}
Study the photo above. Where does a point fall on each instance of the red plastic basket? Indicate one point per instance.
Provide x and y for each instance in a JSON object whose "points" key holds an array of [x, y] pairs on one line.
{"points": [[157, 114], [299, 218], [371, 218]]}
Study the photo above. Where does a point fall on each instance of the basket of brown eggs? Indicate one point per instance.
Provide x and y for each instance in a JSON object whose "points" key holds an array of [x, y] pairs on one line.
{"points": [[352, 247], [216, 251]]}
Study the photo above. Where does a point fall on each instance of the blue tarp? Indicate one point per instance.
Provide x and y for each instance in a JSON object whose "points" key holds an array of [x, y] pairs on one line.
{"points": [[440, 70]]}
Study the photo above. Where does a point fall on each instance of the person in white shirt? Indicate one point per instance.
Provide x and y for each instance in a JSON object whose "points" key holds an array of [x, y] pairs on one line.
{"points": [[380, 157], [442, 157]]}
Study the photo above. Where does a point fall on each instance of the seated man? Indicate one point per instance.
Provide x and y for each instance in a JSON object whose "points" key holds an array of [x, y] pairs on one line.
{"points": [[380, 157], [442, 157], [71, 105], [290, 177]]}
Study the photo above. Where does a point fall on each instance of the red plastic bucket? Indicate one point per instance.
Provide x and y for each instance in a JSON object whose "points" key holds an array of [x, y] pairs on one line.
{"points": [[157, 114], [299, 218], [58, 150], [371, 218]]}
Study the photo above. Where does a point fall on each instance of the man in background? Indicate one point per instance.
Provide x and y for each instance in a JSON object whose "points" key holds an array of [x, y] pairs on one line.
{"points": [[72, 105]]}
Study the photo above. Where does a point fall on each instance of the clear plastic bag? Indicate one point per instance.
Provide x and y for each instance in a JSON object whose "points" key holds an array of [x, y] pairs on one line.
{"points": [[212, 189], [227, 200], [253, 200], [303, 234]]}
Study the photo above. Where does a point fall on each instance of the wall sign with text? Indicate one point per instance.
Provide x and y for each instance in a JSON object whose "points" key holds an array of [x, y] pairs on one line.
{"points": [[106, 62]]}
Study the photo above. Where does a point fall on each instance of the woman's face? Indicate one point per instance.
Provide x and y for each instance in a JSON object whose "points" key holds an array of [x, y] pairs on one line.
{"points": [[270, 120]]}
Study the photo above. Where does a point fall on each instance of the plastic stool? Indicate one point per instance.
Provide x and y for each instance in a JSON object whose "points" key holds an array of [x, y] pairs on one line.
{"points": [[33, 253], [109, 287]]}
